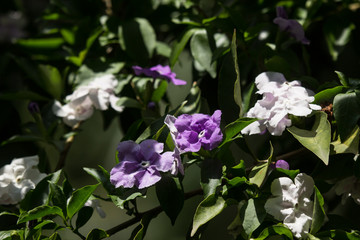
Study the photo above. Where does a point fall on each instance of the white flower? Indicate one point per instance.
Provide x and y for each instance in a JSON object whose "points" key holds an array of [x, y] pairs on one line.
{"points": [[280, 98], [98, 93], [94, 203], [348, 187], [292, 203], [17, 178]]}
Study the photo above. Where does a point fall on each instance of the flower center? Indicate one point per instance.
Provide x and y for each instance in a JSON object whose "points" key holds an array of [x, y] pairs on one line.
{"points": [[201, 134], [18, 180], [145, 164]]}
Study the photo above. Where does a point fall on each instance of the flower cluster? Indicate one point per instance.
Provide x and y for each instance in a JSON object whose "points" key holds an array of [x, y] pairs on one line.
{"points": [[291, 26], [191, 132], [159, 71], [280, 98], [140, 164], [98, 93], [17, 178], [292, 203]]}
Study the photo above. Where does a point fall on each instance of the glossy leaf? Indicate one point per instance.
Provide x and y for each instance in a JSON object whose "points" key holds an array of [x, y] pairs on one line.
{"points": [[350, 145], [237, 86], [84, 215], [328, 95], [209, 208], [319, 216], [232, 130], [79, 198], [347, 113], [41, 43], [259, 172], [140, 231], [103, 177], [201, 51], [252, 214], [211, 173], [97, 234], [317, 140], [179, 46], [275, 231], [40, 212], [171, 196]]}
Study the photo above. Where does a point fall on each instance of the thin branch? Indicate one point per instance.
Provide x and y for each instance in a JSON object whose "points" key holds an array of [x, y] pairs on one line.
{"points": [[66, 149], [154, 211], [290, 154]]}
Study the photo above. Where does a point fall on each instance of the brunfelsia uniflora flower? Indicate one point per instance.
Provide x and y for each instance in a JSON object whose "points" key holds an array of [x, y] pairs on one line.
{"points": [[348, 187], [291, 203], [281, 164], [140, 164], [159, 71], [191, 132], [98, 94], [291, 26], [17, 178], [280, 98]]}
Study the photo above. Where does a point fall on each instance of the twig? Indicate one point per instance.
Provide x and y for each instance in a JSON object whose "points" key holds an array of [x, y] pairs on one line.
{"points": [[290, 154], [64, 152], [155, 211]]}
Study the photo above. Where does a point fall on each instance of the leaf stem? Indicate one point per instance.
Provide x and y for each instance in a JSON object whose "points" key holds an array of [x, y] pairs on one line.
{"points": [[154, 211]]}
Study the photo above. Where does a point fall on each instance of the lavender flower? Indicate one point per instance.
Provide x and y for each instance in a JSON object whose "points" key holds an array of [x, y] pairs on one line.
{"points": [[140, 164], [291, 26], [191, 132], [159, 71], [282, 164]]}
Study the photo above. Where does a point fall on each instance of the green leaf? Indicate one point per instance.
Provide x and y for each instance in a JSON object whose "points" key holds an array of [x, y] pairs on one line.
{"points": [[346, 112], [350, 145], [259, 172], [79, 198], [41, 43], [137, 37], [338, 235], [317, 140], [252, 214], [84, 215], [58, 197], [179, 46], [343, 79], [159, 91], [51, 80], [163, 49], [274, 231], [128, 103], [40, 195], [126, 195], [103, 177], [234, 128], [171, 196], [97, 234], [211, 172], [237, 86], [140, 231], [55, 236], [209, 208], [39, 212], [328, 95], [43, 223], [201, 51], [23, 138], [318, 217]]}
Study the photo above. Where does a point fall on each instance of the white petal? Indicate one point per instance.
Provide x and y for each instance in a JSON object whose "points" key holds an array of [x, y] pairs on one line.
{"points": [[315, 107], [59, 110], [299, 224], [113, 101], [264, 78], [305, 184], [278, 208], [99, 98], [254, 128]]}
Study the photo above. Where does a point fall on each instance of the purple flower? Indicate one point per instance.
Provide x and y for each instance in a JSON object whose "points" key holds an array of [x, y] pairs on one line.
{"points": [[33, 108], [282, 164], [140, 164], [291, 26], [159, 71], [191, 132]]}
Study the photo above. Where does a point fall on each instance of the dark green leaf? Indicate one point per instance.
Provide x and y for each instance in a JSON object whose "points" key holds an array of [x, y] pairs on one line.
{"points": [[179, 46], [237, 86], [347, 113], [126, 195], [171, 196], [159, 91], [319, 216], [318, 139], [97, 234], [40, 212], [211, 172], [350, 145], [138, 39], [23, 138], [328, 95], [259, 172], [274, 231], [128, 103], [103, 177], [234, 128], [23, 95], [201, 51], [41, 43], [84, 215], [343, 79], [51, 80], [79, 198], [140, 231], [209, 208], [252, 214], [58, 197], [43, 223], [338, 235]]}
